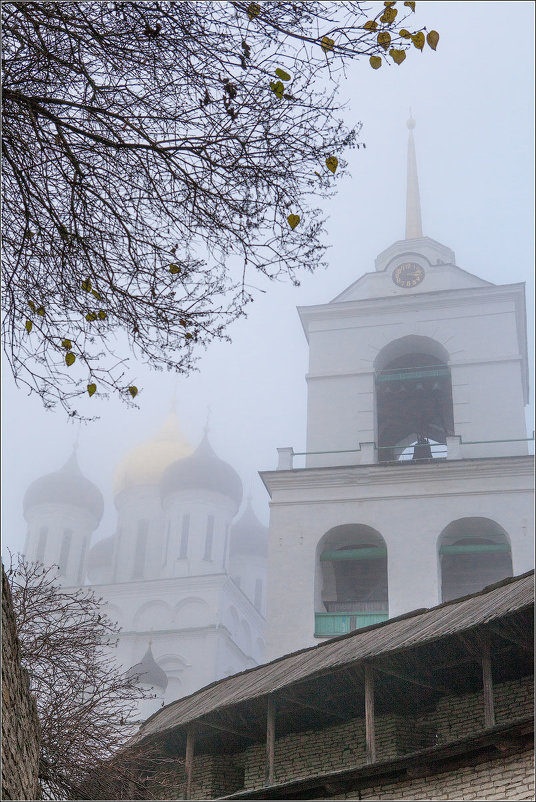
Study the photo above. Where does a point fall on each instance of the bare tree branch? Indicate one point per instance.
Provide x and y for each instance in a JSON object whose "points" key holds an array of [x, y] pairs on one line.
{"points": [[151, 160], [85, 702]]}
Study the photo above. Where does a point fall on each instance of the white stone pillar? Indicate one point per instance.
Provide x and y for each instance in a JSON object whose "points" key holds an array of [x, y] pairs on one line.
{"points": [[286, 456], [454, 446], [369, 453]]}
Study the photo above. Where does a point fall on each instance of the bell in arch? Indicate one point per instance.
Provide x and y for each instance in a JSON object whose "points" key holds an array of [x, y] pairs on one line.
{"points": [[422, 449]]}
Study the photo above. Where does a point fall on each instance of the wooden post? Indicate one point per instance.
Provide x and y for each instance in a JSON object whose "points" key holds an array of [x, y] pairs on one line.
{"points": [[369, 714], [487, 681], [189, 762], [270, 742]]}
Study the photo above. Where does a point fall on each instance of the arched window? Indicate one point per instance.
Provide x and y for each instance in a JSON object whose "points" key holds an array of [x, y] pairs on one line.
{"points": [[141, 549], [473, 553], [166, 546], [82, 563], [185, 530], [413, 399], [209, 539], [351, 580], [41, 544], [64, 551]]}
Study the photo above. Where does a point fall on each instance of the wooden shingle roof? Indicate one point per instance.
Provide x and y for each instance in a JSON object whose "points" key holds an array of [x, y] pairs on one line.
{"points": [[390, 638]]}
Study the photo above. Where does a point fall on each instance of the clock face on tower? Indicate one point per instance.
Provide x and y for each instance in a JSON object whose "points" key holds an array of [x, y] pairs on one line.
{"points": [[408, 275]]}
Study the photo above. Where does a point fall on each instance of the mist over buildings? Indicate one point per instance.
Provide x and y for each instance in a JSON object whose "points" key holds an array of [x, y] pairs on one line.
{"points": [[474, 141]]}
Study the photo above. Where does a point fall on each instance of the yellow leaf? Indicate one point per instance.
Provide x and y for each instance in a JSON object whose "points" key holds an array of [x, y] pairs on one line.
{"points": [[370, 25], [133, 391], [69, 359], [384, 39], [375, 62], [31, 305], [278, 89], [389, 15], [254, 10], [28, 326], [332, 163], [101, 314], [173, 268], [389, 3], [96, 294], [66, 344], [91, 316], [405, 34], [410, 4], [398, 56], [91, 388], [433, 39], [41, 311], [86, 285], [418, 40], [188, 335], [282, 74], [293, 220], [327, 44]]}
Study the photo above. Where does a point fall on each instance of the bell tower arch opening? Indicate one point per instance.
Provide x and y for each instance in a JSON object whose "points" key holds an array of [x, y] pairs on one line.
{"points": [[473, 553], [351, 580], [413, 399]]}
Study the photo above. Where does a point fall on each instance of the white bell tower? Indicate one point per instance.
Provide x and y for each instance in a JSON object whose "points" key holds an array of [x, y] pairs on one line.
{"points": [[417, 485]]}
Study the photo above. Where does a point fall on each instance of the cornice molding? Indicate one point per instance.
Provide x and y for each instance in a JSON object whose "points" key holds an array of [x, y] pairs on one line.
{"points": [[434, 299], [413, 477]]}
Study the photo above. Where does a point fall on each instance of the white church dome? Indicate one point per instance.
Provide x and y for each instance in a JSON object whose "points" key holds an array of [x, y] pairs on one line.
{"points": [[66, 486], [203, 470]]}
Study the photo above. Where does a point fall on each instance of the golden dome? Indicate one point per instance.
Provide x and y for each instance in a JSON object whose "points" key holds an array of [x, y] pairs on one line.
{"points": [[145, 463]]}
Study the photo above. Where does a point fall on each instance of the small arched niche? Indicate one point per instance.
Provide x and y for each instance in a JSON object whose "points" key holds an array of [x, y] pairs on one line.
{"points": [[413, 399], [351, 579], [473, 553]]}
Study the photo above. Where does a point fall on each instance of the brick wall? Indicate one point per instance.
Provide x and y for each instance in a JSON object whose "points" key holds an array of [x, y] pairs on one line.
{"points": [[342, 746], [321, 751], [460, 716], [213, 776], [509, 777], [20, 725], [333, 748]]}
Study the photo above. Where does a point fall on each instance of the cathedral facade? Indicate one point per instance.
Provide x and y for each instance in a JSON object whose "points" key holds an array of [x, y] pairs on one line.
{"points": [[183, 574]]}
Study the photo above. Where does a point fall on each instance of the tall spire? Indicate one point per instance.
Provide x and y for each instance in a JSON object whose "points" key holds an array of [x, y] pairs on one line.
{"points": [[413, 201]]}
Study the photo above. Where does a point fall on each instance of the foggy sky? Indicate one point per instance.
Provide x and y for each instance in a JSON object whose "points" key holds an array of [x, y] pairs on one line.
{"points": [[473, 103]]}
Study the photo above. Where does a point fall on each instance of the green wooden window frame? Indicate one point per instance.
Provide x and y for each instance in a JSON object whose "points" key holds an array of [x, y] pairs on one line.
{"points": [[475, 548], [329, 625], [374, 553]]}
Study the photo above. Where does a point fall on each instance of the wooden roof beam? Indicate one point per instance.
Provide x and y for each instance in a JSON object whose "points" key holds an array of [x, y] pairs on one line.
{"points": [[432, 686], [505, 632], [291, 697], [233, 730]]}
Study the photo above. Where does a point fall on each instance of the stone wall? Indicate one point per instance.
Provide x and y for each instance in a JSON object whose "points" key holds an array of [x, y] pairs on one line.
{"points": [[213, 776], [509, 777], [316, 752], [341, 746], [20, 724]]}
